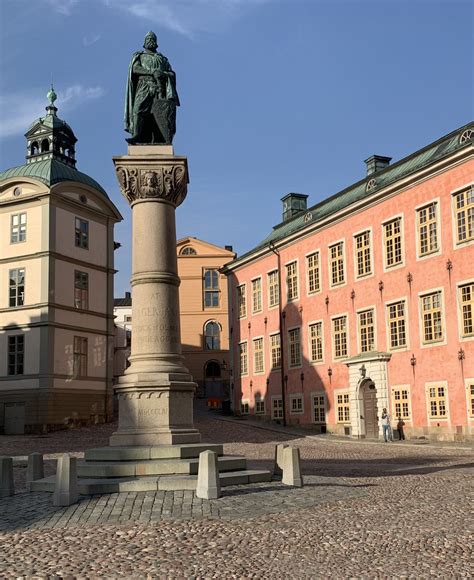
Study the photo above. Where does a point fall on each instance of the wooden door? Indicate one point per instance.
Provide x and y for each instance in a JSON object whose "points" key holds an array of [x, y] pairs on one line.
{"points": [[370, 413], [14, 419]]}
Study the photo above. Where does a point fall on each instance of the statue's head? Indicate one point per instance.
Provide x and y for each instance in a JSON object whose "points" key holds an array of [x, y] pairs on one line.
{"points": [[151, 42]]}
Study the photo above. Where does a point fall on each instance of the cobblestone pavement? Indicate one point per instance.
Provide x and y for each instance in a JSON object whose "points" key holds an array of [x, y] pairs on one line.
{"points": [[372, 510]]}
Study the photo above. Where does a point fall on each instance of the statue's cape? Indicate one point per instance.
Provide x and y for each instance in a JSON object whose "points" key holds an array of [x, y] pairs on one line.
{"points": [[171, 92]]}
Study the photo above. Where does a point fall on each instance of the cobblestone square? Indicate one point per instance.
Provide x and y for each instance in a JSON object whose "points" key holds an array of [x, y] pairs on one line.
{"points": [[367, 509]]}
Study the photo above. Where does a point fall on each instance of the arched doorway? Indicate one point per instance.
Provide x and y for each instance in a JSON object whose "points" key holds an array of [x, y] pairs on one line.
{"points": [[212, 379], [368, 395]]}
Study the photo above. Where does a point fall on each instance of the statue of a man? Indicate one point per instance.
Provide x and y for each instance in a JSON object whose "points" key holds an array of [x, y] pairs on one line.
{"points": [[151, 98]]}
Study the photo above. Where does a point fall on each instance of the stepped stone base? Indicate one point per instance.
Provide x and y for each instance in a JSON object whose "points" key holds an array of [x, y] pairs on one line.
{"points": [[155, 468]]}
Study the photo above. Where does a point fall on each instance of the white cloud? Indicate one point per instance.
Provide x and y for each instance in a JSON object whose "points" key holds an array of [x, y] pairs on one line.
{"points": [[19, 110], [89, 40], [63, 6]]}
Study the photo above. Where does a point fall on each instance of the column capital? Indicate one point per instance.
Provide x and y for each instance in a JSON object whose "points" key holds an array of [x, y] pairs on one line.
{"points": [[152, 177]]}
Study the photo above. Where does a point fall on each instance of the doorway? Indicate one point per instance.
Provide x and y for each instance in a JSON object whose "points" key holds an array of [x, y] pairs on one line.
{"points": [[14, 419], [369, 410]]}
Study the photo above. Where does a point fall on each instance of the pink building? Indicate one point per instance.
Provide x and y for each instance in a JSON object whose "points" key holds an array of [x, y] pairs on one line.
{"points": [[377, 308]]}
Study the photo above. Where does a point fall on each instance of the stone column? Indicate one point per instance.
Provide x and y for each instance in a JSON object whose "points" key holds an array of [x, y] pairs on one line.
{"points": [[156, 392]]}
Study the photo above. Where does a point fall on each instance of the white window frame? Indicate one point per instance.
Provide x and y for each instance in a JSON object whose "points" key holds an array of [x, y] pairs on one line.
{"points": [[461, 336], [344, 263], [18, 214], [342, 393], [437, 202], [272, 306], [387, 325], [468, 382], [324, 395], [371, 248], [297, 297], [244, 286], [277, 398], [407, 388], [257, 311], [254, 339], [447, 417], [310, 350], [300, 364], [444, 340], [359, 337], [294, 397], [259, 400], [241, 374], [271, 367], [315, 292], [333, 342], [244, 402], [454, 222], [387, 220]]}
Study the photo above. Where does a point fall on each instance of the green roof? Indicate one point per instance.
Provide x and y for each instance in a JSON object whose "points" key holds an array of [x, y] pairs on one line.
{"points": [[358, 191], [50, 172]]}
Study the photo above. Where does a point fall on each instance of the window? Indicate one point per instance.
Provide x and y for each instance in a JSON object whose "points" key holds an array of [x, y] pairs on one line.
{"points": [[427, 229], [212, 336], [127, 318], [273, 289], [17, 287], [431, 311], [244, 407], [467, 306], [401, 404], [339, 327], [277, 408], [82, 233], [470, 394], [18, 228], [242, 301], [397, 324], [258, 355], [275, 351], [316, 341], [437, 402], [211, 288], [259, 407], [80, 357], [363, 257], [343, 412], [256, 295], [336, 263], [16, 354], [464, 210], [296, 404], [81, 290], [319, 409], [188, 251], [243, 357], [292, 281], [366, 331], [294, 347], [312, 268], [393, 242]]}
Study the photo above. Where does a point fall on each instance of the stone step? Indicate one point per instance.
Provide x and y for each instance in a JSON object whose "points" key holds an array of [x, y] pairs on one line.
{"points": [[165, 483], [116, 469], [138, 453]]}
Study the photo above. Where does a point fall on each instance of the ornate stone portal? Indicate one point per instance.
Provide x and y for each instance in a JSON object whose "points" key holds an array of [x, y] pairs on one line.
{"points": [[155, 394]]}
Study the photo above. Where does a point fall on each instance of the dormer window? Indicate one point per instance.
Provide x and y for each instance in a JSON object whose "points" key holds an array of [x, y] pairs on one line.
{"points": [[188, 251]]}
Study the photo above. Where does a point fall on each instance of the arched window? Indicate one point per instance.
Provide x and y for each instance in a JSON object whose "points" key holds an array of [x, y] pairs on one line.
{"points": [[212, 370], [44, 146], [34, 148], [188, 251], [212, 336]]}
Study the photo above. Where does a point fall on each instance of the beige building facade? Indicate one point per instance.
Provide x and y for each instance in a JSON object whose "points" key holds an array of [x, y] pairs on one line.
{"points": [[56, 286], [204, 317]]}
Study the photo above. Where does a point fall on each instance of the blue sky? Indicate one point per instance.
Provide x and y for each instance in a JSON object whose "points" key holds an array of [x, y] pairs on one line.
{"points": [[276, 96]]}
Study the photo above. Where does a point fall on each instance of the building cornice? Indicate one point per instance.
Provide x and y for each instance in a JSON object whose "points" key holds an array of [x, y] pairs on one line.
{"points": [[57, 256]]}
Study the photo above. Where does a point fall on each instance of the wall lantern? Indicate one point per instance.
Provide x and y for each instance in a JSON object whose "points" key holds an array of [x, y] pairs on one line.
{"points": [[413, 361], [268, 382], [409, 278], [327, 300], [353, 294], [461, 354], [249, 325], [329, 373], [302, 377], [224, 365], [300, 309], [265, 320], [449, 265], [251, 384], [381, 286]]}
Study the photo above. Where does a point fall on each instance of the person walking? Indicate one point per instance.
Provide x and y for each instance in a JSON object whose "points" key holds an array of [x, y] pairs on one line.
{"points": [[386, 426], [401, 434]]}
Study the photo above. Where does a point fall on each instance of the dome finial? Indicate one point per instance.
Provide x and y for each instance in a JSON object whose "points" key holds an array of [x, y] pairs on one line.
{"points": [[51, 96]]}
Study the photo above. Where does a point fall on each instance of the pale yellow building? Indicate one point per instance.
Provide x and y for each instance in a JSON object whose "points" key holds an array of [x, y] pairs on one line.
{"points": [[204, 317], [56, 286]]}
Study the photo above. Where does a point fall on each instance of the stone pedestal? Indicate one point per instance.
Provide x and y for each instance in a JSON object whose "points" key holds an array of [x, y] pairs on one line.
{"points": [[156, 393]]}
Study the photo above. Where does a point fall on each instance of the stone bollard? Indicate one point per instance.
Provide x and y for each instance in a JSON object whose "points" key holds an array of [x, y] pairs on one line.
{"points": [[34, 469], [292, 467], [208, 485], [65, 487], [6, 477], [277, 470]]}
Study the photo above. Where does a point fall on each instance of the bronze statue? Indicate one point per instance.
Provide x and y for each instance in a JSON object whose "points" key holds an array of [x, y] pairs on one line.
{"points": [[151, 98]]}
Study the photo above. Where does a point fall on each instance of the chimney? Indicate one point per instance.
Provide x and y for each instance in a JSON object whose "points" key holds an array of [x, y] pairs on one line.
{"points": [[128, 295], [228, 248], [376, 163], [293, 204]]}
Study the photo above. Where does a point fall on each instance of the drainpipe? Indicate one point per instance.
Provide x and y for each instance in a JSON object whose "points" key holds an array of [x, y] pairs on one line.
{"points": [[282, 350]]}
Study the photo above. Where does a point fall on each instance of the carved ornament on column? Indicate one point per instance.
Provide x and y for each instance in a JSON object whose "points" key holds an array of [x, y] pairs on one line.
{"points": [[168, 182]]}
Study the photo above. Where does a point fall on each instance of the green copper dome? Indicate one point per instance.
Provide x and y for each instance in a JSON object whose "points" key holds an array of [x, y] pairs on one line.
{"points": [[51, 171]]}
